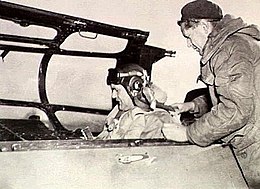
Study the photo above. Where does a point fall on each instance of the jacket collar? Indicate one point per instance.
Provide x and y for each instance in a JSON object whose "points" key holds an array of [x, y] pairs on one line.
{"points": [[225, 28]]}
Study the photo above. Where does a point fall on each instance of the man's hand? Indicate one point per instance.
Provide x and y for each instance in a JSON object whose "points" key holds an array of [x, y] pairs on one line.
{"points": [[184, 107], [175, 131], [148, 94], [154, 94]]}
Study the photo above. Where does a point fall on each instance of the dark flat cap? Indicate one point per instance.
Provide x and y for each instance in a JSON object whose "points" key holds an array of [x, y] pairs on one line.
{"points": [[200, 9]]}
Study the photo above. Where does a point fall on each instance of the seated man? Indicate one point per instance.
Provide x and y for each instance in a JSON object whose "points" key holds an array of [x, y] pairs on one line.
{"points": [[135, 115]]}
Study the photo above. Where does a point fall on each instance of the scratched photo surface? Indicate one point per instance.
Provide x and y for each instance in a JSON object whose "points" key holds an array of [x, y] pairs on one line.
{"points": [[81, 81]]}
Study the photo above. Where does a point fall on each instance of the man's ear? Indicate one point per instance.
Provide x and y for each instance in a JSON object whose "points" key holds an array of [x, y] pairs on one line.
{"points": [[206, 26]]}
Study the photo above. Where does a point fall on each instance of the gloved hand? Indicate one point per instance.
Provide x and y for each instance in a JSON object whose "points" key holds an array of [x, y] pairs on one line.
{"points": [[175, 131], [159, 95], [150, 95]]}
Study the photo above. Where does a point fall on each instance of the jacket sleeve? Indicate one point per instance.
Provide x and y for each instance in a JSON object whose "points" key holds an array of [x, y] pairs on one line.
{"points": [[234, 77], [201, 106]]}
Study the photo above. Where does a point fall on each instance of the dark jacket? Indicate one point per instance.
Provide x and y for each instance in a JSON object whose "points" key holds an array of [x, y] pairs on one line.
{"points": [[230, 67]]}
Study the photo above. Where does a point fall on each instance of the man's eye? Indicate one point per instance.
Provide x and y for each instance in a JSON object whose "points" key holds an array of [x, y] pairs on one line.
{"points": [[116, 90]]}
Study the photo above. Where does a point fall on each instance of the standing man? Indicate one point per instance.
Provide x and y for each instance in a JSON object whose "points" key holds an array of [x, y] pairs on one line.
{"points": [[230, 68]]}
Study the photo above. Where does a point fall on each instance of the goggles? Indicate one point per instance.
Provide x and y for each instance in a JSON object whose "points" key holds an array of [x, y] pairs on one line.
{"points": [[115, 77]]}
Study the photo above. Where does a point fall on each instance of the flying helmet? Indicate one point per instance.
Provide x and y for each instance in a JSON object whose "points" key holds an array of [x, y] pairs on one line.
{"points": [[131, 76]]}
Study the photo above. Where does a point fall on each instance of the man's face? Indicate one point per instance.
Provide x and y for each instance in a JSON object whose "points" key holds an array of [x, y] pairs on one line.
{"points": [[196, 37], [123, 98]]}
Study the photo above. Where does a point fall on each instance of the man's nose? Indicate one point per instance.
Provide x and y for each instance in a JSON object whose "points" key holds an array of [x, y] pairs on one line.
{"points": [[114, 94]]}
